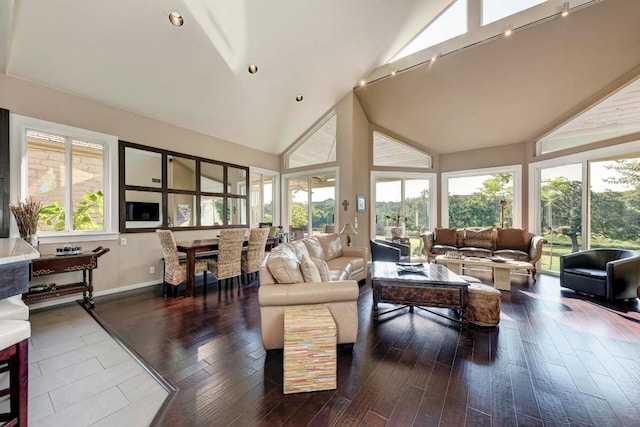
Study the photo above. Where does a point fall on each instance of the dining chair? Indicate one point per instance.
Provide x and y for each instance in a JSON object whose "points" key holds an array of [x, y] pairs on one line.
{"points": [[251, 260], [227, 265], [175, 268]]}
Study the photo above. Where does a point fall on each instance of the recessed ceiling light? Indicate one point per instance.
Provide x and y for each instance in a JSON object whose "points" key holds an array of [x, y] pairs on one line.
{"points": [[299, 98], [509, 30], [362, 83], [253, 68], [176, 19]]}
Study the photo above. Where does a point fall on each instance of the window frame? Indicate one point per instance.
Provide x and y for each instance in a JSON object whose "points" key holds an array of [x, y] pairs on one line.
{"points": [[275, 197], [515, 170], [19, 174], [305, 138]]}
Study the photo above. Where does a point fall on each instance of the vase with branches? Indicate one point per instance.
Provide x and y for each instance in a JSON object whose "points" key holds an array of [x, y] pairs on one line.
{"points": [[27, 214]]}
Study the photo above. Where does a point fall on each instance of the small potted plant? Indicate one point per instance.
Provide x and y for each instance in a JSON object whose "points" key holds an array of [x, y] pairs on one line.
{"points": [[399, 220]]}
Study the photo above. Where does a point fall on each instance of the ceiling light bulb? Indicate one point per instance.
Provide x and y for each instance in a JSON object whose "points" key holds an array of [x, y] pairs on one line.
{"points": [[436, 56], [253, 68], [299, 98], [394, 72], [509, 30], [176, 19], [565, 8], [362, 83]]}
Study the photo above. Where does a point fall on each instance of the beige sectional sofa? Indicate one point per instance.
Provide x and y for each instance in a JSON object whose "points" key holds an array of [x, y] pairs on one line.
{"points": [[313, 270]]}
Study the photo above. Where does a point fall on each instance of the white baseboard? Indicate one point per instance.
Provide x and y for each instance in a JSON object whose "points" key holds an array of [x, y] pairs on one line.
{"points": [[71, 298]]}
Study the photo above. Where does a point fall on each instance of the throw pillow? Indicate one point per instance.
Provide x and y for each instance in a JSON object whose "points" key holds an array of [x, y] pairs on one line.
{"points": [[323, 268], [446, 236], [284, 266], [512, 238], [331, 246], [309, 270], [314, 247], [478, 238]]}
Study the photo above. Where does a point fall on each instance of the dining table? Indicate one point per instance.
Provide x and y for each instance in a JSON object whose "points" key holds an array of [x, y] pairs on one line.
{"points": [[193, 247]]}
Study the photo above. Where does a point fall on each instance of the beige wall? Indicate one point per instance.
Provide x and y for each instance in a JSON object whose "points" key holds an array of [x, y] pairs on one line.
{"points": [[124, 265]]}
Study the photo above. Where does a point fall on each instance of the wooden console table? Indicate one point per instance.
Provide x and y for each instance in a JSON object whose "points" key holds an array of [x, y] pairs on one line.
{"points": [[54, 264]]}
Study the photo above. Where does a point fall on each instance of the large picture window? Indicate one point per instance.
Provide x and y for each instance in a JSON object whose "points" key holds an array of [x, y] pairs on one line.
{"points": [[69, 171], [573, 215], [482, 198]]}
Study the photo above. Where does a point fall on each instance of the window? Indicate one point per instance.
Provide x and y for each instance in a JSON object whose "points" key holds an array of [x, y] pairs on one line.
{"points": [[311, 200], [409, 196], [494, 10], [69, 170], [263, 196], [451, 23], [180, 191], [482, 198], [573, 216], [390, 152], [319, 146]]}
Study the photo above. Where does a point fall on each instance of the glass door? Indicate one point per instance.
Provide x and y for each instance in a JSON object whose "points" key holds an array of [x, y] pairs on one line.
{"points": [[311, 201]]}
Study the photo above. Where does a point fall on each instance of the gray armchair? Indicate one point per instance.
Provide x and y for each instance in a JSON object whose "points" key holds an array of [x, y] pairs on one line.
{"points": [[610, 273], [383, 250]]}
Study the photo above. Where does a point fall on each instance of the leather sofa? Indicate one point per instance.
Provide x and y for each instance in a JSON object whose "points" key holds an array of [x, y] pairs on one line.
{"points": [[287, 278], [512, 243], [609, 273]]}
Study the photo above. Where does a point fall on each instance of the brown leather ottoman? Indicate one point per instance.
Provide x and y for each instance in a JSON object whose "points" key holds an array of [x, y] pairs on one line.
{"points": [[484, 305]]}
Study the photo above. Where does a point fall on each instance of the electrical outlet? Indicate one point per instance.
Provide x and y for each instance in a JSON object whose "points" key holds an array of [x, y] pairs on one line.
{"points": [[123, 241], [152, 270]]}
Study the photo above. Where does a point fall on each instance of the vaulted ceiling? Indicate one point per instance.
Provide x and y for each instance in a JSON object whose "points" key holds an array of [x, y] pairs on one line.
{"points": [[508, 90]]}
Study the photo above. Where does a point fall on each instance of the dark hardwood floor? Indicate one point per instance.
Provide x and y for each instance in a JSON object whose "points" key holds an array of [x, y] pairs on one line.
{"points": [[557, 358]]}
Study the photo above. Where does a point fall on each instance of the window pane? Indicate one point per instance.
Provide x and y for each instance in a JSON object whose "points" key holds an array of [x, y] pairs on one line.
{"points": [[87, 187], [475, 201], [388, 202], [237, 181], [450, 24], [143, 168], [181, 210], [561, 213], [211, 178], [389, 152], [46, 177], [181, 173], [267, 199], [237, 213], [615, 203], [318, 147], [493, 10], [416, 201], [211, 210], [298, 202], [323, 195]]}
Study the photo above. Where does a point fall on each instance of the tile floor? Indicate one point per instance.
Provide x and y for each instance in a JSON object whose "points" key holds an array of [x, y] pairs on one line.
{"points": [[80, 376]]}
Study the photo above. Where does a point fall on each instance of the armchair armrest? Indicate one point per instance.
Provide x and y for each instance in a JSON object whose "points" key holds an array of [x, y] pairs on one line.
{"points": [[623, 276], [427, 243], [535, 249]]}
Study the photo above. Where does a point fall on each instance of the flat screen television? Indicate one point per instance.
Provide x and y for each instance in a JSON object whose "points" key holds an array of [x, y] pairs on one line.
{"points": [[143, 211]]}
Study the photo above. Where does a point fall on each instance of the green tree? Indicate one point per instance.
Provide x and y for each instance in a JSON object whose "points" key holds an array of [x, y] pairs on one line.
{"points": [[298, 214]]}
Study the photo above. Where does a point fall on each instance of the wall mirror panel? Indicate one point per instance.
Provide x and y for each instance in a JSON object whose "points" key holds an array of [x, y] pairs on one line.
{"points": [[181, 173], [144, 168], [165, 189]]}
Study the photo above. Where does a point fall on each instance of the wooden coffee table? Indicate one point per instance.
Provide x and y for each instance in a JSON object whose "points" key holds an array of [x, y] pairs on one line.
{"points": [[501, 270], [432, 286]]}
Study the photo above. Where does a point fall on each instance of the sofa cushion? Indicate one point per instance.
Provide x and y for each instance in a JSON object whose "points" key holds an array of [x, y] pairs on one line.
{"points": [[587, 272], [446, 237], [284, 266], [299, 248], [443, 249], [480, 238], [477, 252], [310, 272], [512, 254], [323, 269], [331, 245], [512, 238], [314, 247]]}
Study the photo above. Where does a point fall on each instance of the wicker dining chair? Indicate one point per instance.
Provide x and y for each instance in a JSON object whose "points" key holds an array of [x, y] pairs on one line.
{"points": [[254, 256], [227, 265], [175, 269]]}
